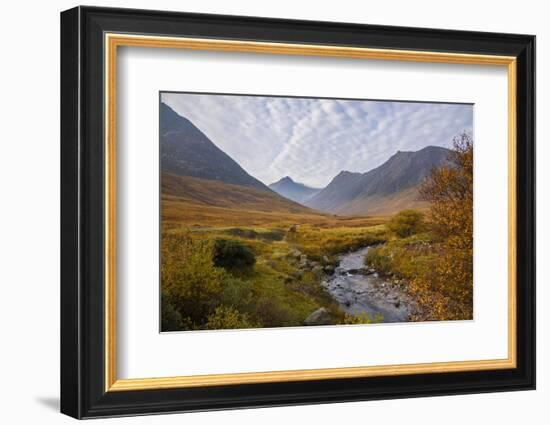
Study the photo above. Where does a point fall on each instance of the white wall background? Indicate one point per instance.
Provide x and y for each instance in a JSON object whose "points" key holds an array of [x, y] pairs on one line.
{"points": [[29, 216]]}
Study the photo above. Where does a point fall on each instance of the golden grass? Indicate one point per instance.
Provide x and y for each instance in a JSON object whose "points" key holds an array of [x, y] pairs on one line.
{"points": [[182, 211], [224, 195]]}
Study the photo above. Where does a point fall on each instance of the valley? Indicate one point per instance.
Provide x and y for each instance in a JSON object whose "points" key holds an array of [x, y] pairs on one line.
{"points": [[239, 253], [294, 252]]}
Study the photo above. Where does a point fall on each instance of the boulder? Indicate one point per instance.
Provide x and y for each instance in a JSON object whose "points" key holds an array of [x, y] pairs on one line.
{"points": [[296, 253], [317, 269], [328, 269], [358, 271], [321, 316], [304, 263]]}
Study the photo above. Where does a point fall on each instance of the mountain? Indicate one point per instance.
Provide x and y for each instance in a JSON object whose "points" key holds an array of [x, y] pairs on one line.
{"points": [[211, 193], [295, 191], [383, 190], [196, 173], [187, 151]]}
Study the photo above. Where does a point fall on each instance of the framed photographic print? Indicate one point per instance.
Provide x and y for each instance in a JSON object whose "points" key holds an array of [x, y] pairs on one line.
{"points": [[261, 212]]}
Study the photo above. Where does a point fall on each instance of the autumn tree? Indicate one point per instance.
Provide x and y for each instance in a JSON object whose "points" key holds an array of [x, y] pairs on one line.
{"points": [[449, 190]]}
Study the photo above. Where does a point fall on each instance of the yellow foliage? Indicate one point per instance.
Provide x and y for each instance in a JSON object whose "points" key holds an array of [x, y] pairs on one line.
{"points": [[448, 288], [227, 318], [188, 275]]}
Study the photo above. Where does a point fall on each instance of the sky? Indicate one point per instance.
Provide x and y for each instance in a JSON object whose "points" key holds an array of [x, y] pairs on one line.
{"points": [[312, 140]]}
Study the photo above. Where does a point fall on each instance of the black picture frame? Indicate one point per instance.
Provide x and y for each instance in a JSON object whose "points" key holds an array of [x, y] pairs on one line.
{"points": [[83, 392]]}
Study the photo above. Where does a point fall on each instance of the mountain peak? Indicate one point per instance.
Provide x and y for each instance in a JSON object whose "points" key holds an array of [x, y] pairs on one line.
{"points": [[290, 189], [285, 179], [428, 151], [346, 173]]}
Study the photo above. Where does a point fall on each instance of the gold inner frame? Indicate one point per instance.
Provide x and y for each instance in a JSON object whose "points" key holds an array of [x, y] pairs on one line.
{"points": [[113, 41]]}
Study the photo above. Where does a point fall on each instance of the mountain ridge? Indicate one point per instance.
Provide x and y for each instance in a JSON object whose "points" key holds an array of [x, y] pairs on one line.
{"points": [[293, 190], [397, 179]]}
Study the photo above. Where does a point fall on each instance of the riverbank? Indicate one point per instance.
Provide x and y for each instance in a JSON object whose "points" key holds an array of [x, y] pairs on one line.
{"points": [[360, 291]]}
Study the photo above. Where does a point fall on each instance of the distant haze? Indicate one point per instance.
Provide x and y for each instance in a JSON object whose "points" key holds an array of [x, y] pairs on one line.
{"points": [[312, 140]]}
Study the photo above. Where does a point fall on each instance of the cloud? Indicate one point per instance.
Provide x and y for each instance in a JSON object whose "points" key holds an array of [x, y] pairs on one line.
{"points": [[312, 140]]}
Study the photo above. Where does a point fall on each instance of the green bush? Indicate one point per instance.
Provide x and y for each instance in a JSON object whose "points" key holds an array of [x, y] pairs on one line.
{"points": [[189, 277], [273, 309], [407, 223], [236, 293], [170, 317], [273, 235], [242, 233], [231, 254]]}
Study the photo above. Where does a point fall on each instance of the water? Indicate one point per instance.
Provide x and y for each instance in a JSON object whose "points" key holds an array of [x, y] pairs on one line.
{"points": [[358, 293]]}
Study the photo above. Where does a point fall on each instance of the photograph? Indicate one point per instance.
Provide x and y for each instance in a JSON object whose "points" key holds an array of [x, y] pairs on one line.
{"points": [[280, 211]]}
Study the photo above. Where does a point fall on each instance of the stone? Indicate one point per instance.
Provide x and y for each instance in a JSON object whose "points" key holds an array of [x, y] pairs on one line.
{"points": [[321, 316], [329, 269], [296, 253], [317, 269]]}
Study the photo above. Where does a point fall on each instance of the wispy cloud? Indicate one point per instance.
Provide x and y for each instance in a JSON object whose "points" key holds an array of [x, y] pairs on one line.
{"points": [[312, 140]]}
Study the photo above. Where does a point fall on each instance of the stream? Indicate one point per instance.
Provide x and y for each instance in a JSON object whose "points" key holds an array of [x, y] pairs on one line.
{"points": [[358, 293]]}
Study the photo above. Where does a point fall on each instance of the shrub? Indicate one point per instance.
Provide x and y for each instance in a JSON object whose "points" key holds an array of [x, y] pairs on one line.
{"points": [[273, 310], [378, 259], [273, 235], [242, 233], [236, 293], [231, 254], [189, 278], [170, 317], [227, 318], [407, 223]]}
